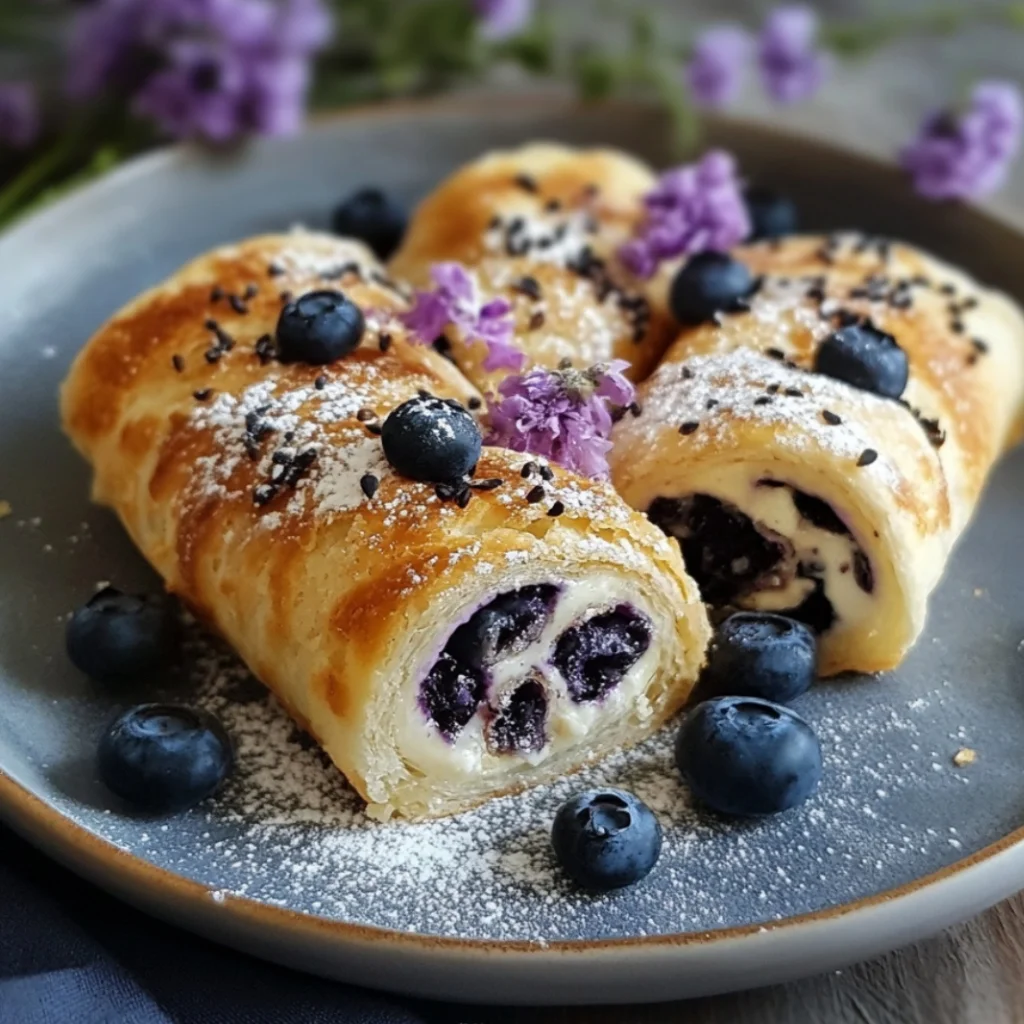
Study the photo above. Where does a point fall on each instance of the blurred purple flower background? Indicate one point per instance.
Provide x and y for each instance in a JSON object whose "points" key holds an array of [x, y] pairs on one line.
{"points": [[19, 115], [500, 19], [968, 155], [206, 69], [792, 66], [716, 69]]}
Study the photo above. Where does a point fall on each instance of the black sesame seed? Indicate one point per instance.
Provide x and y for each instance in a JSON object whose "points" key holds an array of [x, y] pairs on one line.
{"points": [[275, 270], [251, 291], [444, 491], [264, 348], [263, 493], [528, 470], [687, 373], [830, 418], [553, 205], [385, 342], [202, 394], [557, 509], [528, 286], [474, 403], [635, 408], [374, 428], [972, 358], [486, 485], [537, 320], [867, 456], [957, 326], [369, 483], [547, 473], [793, 393], [212, 355], [535, 495], [216, 293], [775, 353], [320, 383], [773, 389], [238, 305], [979, 345], [763, 400], [286, 297], [711, 403], [688, 427], [526, 182], [948, 289], [463, 497], [178, 362]]}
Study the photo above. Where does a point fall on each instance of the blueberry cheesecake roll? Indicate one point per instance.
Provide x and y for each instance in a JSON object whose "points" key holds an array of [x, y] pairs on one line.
{"points": [[535, 232], [449, 621], [819, 434]]}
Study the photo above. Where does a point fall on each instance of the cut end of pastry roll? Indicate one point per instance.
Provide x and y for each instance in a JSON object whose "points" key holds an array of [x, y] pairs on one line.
{"points": [[444, 643], [539, 228], [794, 492]]}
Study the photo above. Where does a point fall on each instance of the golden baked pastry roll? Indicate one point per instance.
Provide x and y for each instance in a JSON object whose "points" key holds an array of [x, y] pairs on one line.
{"points": [[538, 229], [819, 448], [444, 643]]}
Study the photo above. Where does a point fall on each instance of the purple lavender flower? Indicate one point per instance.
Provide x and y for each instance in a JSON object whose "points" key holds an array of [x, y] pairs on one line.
{"points": [[500, 19], [19, 115], [211, 69], [693, 208], [968, 156], [561, 414], [715, 72], [792, 68], [454, 300]]}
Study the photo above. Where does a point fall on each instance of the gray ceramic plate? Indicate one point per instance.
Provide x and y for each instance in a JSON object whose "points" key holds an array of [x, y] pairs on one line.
{"points": [[898, 842]]}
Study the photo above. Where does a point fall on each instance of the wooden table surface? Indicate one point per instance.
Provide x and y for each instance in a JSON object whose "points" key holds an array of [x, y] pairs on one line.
{"points": [[972, 974]]}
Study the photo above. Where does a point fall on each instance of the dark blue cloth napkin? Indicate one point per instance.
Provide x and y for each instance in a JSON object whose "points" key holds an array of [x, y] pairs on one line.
{"points": [[70, 954]]}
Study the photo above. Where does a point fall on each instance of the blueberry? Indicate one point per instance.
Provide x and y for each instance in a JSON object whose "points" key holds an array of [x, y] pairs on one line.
{"points": [[116, 635], [771, 215], [755, 654], [164, 757], [431, 439], [593, 656], [710, 283], [507, 625], [862, 355], [318, 328], [606, 838], [372, 217], [743, 756]]}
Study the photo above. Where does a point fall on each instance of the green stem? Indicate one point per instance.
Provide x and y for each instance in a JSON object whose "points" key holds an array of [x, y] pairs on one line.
{"points": [[36, 174]]}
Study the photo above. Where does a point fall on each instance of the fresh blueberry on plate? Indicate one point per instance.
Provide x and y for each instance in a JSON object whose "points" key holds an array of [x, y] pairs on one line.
{"points": [[745, 757], [710, 283], [164, 757], [771, 215], [867, 358], [319, 327], [432, 439], [757, 654], [371, 216], [606, 839], [115, 635]]}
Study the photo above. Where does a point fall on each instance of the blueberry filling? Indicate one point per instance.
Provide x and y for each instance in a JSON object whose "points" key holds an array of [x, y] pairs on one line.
{"points": [[508, 625], [818, 512], [724, 551], [815, 610], [519, 724], [595, 655], [457, 684], [863, 573], [451, 694]]}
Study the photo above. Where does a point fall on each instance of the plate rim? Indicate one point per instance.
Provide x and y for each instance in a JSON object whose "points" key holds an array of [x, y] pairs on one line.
{"points": [[157, 889]]}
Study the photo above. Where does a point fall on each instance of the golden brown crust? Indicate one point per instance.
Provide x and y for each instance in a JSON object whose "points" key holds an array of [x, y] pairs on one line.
{"points": [[553, 216], [335, 597]]}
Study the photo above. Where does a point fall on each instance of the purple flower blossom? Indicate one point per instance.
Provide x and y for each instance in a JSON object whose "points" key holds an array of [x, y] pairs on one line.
{"points": [[715, 72], [561, 414], [455, 301], [693, 208], [211, 69], [500, 19], [792, 68], [968, 156], [19, 115]]}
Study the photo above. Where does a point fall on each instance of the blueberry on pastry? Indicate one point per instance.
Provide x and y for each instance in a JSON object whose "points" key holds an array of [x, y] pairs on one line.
{"points": [[538, 229], [818, 453], [450, 622]]}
